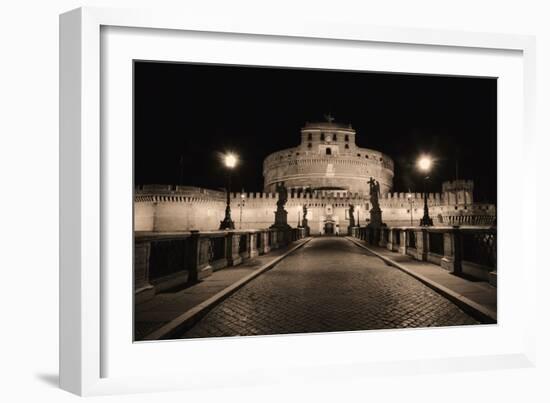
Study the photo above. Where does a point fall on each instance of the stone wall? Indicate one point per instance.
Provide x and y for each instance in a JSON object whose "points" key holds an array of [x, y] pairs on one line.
{"points": [[185, 209]]}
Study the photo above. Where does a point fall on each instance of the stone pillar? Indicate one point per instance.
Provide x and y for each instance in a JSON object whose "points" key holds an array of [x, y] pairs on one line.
{"points": [[403, 242], [452, 248], [389, 245], [252, 246], [274, 240], [232, 251], [142, 288], [265, 243], [421, 244], [246, 239], [199, 257], [383, 237]]}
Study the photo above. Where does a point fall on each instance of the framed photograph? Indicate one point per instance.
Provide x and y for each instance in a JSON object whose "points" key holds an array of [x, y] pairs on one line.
{"points": [[241, 199]]}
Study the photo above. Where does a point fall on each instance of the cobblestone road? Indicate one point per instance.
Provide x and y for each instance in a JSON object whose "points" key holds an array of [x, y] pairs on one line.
{"points": [[330, 284]]}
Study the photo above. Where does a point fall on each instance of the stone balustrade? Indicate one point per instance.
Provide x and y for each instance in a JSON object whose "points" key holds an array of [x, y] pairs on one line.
{"points": [[464, 250], [166, 260]]}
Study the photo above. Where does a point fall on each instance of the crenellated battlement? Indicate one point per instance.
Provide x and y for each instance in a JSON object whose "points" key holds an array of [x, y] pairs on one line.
{"points": [[187, 194], [414, 196], [174, 199], [298, 196]]}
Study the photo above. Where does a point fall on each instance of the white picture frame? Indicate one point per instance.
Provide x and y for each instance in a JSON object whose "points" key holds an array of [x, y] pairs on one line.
{"points": [[86, 186]]}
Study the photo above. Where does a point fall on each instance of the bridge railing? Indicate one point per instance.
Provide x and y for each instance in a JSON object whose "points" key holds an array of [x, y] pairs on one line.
{"points": [[470, 250], [166, 260]]}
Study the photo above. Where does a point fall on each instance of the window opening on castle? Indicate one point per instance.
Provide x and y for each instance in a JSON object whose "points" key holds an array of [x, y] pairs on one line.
{"points": [[309, 136], [323, 136], [329, 151], [347, 145], [347, 137]]}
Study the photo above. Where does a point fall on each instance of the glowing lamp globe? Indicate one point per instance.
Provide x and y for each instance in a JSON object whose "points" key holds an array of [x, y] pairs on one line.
{"points": [[424, 163], [230, 160]]}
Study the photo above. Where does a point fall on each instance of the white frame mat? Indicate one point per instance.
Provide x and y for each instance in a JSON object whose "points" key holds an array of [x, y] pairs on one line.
{"points": [[97, 355]]}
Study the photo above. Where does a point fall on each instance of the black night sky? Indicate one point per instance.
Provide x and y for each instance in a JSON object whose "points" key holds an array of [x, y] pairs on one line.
{"points": [[186, 114]]}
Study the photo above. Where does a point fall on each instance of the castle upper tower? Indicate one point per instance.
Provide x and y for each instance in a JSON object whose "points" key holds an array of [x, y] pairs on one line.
{"points": [[328, 160], [327, 138]]}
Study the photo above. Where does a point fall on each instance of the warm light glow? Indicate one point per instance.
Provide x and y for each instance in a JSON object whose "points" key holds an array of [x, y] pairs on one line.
{"points": [[424, 163], [409, 196], [230, 160]]}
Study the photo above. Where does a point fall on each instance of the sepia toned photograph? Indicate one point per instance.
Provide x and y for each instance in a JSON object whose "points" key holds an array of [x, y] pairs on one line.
{"points": [[272, 201]]}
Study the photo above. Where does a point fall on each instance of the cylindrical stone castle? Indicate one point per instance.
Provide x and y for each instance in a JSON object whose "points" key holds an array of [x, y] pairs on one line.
{"points": [[328, 161]]}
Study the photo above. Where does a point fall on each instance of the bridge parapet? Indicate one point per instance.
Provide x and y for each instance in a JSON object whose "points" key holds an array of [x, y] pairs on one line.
{"points": [[470, 250], [166, 260]]}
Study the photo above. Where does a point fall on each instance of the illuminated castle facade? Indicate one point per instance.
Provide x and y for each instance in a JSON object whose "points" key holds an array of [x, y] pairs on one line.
{"points": [[326, 173], [328, 160]]}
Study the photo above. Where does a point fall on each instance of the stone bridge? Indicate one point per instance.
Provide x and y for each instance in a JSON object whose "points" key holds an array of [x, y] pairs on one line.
{"points": [[330, 284]]}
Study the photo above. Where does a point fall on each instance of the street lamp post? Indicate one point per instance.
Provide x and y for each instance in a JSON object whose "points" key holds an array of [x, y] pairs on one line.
{"points": [[230, 161], [241, 205], [411, 203], [424, 164]]}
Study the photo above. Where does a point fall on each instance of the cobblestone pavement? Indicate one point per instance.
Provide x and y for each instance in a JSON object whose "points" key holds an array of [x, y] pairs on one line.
{"points": [[330, 284]]}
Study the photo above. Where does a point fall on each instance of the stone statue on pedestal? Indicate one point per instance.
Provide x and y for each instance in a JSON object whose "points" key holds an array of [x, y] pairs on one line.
{"points": [[304, 219], [281, 213], [351, 215], [375, 212], [351, 218], [374, 187], [282, 193], [375, 224]]}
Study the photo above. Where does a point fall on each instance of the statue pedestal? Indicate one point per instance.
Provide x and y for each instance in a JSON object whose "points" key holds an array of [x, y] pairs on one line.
{"points": [[281, 219], [375, 217], [305, 226], [351, 224], [375, 225]]}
